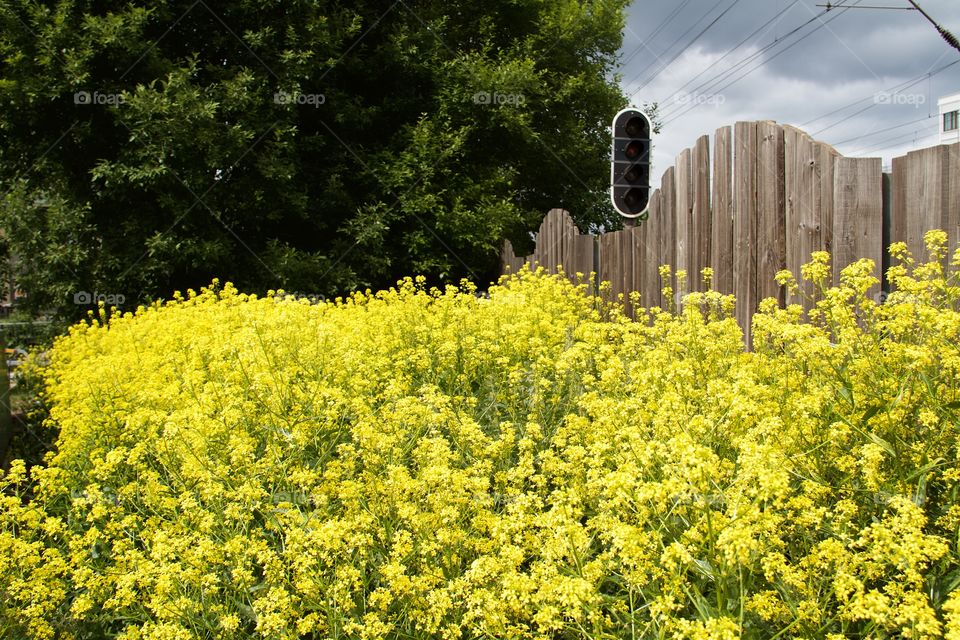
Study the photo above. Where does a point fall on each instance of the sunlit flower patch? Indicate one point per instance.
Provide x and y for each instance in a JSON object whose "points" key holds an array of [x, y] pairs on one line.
{"points": [[418, 463]]}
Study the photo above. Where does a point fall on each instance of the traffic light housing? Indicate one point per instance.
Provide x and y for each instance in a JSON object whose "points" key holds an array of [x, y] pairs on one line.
{"points": [[630, 164]]}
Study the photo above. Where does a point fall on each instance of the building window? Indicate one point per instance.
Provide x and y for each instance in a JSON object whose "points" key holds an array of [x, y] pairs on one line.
{"points": [[950, 120]]}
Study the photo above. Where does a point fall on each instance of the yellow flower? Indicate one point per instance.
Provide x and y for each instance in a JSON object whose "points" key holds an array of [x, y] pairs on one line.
{"points": [[422, 462]]}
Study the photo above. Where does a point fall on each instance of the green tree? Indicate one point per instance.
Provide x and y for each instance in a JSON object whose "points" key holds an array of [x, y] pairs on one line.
{"points": [[317, 146]]}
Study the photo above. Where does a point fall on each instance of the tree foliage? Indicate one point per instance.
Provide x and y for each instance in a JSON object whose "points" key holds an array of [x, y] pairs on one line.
{"points": [[319, 146]]}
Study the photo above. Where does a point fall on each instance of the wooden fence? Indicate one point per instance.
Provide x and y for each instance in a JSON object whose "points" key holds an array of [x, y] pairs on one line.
{"points": [[770, 197]]}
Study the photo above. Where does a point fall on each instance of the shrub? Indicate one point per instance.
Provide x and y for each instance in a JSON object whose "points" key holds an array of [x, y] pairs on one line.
{"points": [[417, 463]]}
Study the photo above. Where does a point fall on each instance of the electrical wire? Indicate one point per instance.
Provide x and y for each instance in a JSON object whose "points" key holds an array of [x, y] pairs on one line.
{"points": [[643, 42], [824, 23], [689, 44], [878, 131], [906, 84], [743, 62], [737, 46], [946, 35], [691, 28], [894, 142]]}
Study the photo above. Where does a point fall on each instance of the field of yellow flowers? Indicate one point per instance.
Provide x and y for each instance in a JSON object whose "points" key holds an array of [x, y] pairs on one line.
{"points": [[436, 464]]}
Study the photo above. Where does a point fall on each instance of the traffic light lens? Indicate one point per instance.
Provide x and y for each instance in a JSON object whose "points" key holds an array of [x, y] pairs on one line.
{"points": [[633, 174], [636, 128], [634, 198], [634, 149]]}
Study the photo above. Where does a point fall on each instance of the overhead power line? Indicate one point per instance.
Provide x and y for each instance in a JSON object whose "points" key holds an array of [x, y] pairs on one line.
{"points": [[746, 73], [657, 58], [738, 45], [688, 45], [834, 6], [879, 131], [844, 119], [711, 84], [946, 35], [895, 142], [649, 38], [872, 97]]}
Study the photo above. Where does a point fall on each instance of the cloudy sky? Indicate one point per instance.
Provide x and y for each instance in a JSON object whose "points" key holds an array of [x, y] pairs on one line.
{"points": [[864, 80]]}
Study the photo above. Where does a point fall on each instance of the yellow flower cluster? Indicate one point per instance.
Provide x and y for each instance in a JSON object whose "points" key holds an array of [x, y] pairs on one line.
{"points": [[420, 463]]}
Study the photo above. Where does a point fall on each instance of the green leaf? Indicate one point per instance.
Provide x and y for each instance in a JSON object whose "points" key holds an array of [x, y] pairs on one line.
{"points": [[870, 412]]}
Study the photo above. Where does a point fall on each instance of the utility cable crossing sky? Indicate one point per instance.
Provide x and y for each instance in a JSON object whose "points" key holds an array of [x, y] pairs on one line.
{"points": [[850, 76]]}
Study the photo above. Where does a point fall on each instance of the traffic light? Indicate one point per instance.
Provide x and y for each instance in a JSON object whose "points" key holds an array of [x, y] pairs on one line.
{"points": [[630, 165]]}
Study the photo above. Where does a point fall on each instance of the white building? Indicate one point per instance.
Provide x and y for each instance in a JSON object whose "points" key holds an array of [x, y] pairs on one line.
{"points": [[949, 112]]}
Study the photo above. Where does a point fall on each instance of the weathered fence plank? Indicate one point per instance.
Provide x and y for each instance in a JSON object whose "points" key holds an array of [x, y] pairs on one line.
{"points": [[951, 222], [638, 246], [509, 262], [770, 238], [651, 278], [744, 222], [924, 178], [607, 263], [801, 214], [898, 201], [668, 228], [585, 248], [629, 257], [857, 214], [825, 161], [684, 210], [721, 258], [700, 225]]}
